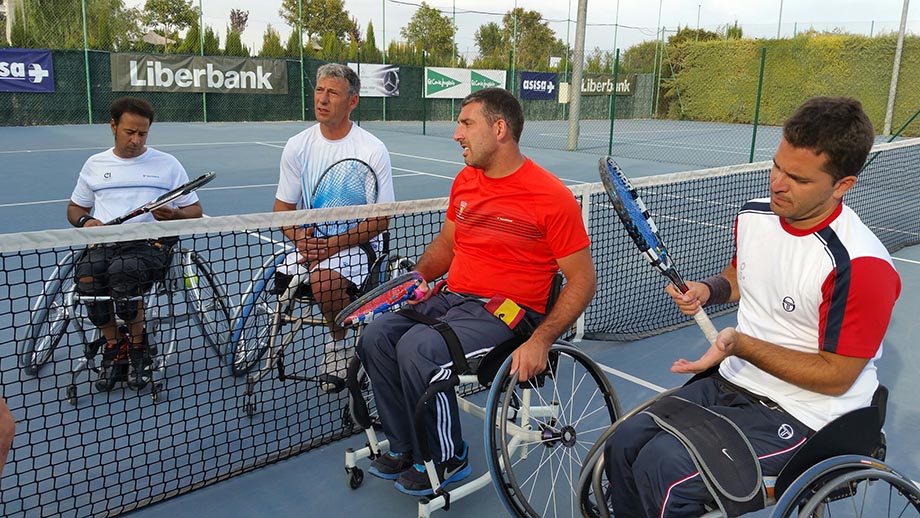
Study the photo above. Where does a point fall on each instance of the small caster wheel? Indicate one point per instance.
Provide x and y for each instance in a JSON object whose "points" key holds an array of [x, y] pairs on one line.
{"points": [[356, 478], [250, 407], [155, 392], [72, 394]]}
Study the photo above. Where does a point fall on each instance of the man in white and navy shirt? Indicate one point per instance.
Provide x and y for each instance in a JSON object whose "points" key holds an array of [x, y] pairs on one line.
{"points": [[815, 289], [111, 184]]}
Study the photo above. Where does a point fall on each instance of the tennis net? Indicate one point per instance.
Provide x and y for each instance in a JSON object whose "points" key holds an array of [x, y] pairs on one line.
{"points": [[86, 452]]}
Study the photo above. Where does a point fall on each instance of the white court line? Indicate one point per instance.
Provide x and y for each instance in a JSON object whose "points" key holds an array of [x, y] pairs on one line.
{"points": [[630, 377], [45, 202], [31, 203], [187, 144], [269, 144], [427, 158], [905, 260], [422, 173]]}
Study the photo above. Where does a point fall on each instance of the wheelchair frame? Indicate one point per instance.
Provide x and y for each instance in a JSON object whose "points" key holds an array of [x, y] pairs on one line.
{"points": [[258, 324], [825, 469], [524, 429], [59, 305]]}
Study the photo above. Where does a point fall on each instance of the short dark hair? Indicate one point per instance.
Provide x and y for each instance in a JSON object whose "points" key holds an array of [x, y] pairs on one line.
{"points": [[835, 126], [133, 105], [498, 103], [340, 71]]}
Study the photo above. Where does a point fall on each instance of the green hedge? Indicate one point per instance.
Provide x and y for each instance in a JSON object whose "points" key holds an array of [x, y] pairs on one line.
{"points": [[717, 80]]}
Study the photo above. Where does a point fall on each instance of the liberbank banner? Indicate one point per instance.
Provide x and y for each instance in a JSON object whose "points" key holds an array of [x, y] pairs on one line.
{"points": [[228, 75], [457, 83], [602, 84]]}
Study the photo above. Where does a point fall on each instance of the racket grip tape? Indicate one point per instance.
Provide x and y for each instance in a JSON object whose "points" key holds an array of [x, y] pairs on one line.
{"points": [[702, 320]]}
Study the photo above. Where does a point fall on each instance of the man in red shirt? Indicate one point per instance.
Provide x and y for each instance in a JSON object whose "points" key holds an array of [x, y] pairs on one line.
{"points": [[510, 226]]}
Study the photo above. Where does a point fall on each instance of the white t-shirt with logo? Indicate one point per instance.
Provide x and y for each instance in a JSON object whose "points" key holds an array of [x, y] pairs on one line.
{"points": [[114, 186]]}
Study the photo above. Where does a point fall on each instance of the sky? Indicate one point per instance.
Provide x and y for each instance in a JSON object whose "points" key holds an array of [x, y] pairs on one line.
{"points": [[607, 28]]}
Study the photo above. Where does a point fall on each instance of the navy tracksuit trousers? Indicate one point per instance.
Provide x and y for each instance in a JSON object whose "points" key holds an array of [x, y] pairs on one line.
{"points": [[402, 357]]}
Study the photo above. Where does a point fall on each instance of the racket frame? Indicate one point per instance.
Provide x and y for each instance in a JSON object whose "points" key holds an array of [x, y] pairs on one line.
{"points": [[655, 253]]}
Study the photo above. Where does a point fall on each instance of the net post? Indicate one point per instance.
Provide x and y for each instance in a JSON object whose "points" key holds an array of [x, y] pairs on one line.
{"points": [[763, 59]]}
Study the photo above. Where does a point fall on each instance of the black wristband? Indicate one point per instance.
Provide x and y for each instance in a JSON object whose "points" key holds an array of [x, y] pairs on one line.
{"points": [[720, 290], [83, 219]]}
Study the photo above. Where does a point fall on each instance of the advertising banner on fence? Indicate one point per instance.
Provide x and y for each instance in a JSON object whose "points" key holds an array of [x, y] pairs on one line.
{"points": [[161, 73], [457, 83], [602, 84], [377, 80], [538, 85], [26, 70]]}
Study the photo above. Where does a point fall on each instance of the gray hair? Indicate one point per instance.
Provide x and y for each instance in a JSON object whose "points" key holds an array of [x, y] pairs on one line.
{"points": [[339, 71]]}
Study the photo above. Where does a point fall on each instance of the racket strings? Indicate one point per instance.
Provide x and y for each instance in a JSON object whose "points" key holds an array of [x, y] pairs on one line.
{"points": [[347, 182]]}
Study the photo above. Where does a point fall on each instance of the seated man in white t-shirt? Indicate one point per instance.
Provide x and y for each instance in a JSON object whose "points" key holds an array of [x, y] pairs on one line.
{"points": [[111, 184], [336, 264]]}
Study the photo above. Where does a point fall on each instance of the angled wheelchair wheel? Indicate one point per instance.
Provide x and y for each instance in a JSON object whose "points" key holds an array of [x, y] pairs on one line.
{"points": [[209, 302], [850, 486], [49, 318], [252, 329], [538, 433], [362, 409]]}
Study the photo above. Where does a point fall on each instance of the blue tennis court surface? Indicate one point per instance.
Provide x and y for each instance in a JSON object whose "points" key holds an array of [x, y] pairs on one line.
{"points": [[40, 167]]}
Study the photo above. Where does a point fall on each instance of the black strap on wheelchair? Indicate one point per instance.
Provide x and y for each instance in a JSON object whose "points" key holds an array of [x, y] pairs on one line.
{"points": [[722, 454], [461, 366]]}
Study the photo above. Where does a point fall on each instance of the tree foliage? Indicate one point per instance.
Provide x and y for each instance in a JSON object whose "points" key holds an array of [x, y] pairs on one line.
{"points": [[59, 25], [271, 44], [234, 45], [238, 20], [292, 46], [318, 17], [371, 53], [525, 33], [169, 16], [428, 29]]}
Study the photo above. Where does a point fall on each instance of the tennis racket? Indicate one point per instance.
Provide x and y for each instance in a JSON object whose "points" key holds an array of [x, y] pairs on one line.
{"points": [[642, 229], [166, 198], [347, 182], [381, 299]]}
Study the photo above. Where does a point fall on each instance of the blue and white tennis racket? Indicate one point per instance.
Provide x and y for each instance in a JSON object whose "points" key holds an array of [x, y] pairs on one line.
{"points": [[347, 182], [642, 229]]}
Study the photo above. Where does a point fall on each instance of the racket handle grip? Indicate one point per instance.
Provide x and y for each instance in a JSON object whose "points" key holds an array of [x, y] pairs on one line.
{"points": [[702, 320]]}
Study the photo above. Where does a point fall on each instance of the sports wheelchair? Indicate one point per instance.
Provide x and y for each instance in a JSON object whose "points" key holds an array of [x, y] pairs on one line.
{"points": [[838, 472], [536, 432], [59, 306], [259, 324]]}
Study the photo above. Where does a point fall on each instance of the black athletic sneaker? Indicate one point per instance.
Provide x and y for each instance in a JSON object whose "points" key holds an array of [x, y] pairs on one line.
{"points": [[389, 465], [114, 366], [141, 362], [414, 481]]}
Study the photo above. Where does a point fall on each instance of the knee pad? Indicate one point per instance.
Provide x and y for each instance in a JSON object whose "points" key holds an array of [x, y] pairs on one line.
{"points": [[99, 313], [126, 309]]}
